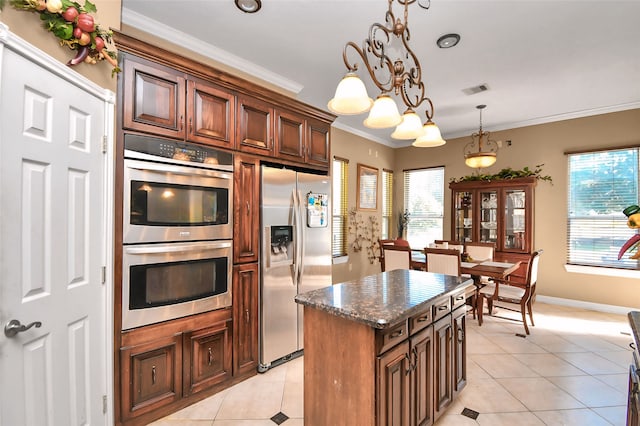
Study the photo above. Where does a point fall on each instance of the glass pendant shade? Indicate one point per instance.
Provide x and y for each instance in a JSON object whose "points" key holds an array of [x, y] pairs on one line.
{"points": [[480, 160], [410, 127], [383, 114], [351, 97], [431, 136]]}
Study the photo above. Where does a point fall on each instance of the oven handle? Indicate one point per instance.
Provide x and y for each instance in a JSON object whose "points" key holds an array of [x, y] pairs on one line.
{"points": [[182, 248], [178, 170]]}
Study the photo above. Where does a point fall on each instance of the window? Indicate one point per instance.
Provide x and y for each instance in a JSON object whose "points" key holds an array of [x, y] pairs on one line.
{"points": [[424, 200], [387, 206], [601, 185], [339, 202]]}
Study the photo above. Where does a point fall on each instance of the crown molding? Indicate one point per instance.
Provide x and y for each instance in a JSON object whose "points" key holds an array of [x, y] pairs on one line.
{"points": [[165, 32]]}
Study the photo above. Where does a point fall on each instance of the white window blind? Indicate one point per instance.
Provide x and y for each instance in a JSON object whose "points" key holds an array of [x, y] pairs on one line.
{"points": [[386, 229], [601, 185], [424, 200], [339, 202]]}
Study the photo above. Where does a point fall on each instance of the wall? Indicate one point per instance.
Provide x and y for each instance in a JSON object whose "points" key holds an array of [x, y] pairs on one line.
{"points": [[360, 150], [27, 25], [544, 144]]}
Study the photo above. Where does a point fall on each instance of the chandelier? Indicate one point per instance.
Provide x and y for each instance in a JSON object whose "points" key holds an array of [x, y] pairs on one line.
{"points": [[485, 156], [395, 70]]}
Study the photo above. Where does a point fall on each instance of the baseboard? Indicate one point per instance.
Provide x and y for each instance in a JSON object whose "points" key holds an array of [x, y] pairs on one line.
{"points": [[600, 307]]}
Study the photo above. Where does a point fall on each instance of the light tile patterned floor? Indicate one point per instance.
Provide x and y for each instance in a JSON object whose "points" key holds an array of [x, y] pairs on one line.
{"points": [[571, 370]]}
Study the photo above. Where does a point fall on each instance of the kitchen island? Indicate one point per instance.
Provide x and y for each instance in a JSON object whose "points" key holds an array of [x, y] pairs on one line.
{"points": [[387, 349]]}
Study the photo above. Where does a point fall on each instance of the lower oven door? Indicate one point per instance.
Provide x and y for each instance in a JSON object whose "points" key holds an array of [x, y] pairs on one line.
{"points": [[161, 282]]}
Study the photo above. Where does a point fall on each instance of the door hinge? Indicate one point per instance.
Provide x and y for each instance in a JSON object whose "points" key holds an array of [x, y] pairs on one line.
{"points": [[104, 274], [104, 144], [104, 404]]}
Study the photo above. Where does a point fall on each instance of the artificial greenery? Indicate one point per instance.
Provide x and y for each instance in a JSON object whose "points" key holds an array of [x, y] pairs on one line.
{"points": [[506, 174]]}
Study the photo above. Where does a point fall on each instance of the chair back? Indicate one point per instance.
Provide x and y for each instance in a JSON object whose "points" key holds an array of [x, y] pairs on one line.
{"points": [[444, 244], [443, 261], [532, 269], [480, 251], [395, 257]]}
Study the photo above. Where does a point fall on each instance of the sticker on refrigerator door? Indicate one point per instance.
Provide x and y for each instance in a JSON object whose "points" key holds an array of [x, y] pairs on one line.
{"points": [[317, 209]]}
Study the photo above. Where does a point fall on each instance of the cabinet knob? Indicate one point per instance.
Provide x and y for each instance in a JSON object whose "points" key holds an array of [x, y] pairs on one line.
{"points": [[153, 375], [210, 356], [181, 122]]}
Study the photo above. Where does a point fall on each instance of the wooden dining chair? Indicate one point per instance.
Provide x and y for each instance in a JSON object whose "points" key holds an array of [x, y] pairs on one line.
{"points": [[507, 292], [449, 245], [443, 261], [478, 251], [395, 257]]}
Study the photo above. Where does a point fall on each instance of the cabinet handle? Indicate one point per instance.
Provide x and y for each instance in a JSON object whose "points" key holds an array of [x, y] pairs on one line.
{"points": [[423, 318], [632, 346], [210, 357], [395, 334], [458, 298], [153, 375], [190, 125], [248, 209], [633, 380], [246, 315], [181, 122], [443, 307], [460, 335], [409, 367]]}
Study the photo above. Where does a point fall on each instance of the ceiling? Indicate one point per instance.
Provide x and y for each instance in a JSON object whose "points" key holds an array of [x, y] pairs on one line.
{"points": [[542, 60]]}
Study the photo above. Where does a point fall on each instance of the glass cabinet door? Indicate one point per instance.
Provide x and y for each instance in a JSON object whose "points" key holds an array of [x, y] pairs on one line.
{"points": [[463, 220], [514, 219], [489, 216]]}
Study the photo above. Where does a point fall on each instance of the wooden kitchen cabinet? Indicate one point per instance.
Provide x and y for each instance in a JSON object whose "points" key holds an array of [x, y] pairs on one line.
{"points": [[166, 102], [393, 385], [443, 365], [246, 207], [290, 140], [245, 318], [459, 342], [207, 357], [255, 126], [151, 375], [318, 142]]}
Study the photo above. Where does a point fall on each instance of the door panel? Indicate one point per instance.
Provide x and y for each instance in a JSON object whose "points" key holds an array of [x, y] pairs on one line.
{"points": [[52, 248]]}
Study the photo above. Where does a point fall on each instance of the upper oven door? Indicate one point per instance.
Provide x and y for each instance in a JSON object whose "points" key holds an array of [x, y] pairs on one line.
{"points": [[166, 202]]}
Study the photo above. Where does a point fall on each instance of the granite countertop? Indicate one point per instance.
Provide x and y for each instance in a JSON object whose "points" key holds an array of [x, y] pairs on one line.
{"points": [[383, 299], [634, 320]]}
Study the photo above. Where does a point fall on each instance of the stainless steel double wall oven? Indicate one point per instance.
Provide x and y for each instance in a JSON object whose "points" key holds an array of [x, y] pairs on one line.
{"points": [[177, 230]]}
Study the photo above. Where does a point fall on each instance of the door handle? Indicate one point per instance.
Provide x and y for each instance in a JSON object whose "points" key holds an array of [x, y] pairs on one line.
{"points": [[14, 327]]}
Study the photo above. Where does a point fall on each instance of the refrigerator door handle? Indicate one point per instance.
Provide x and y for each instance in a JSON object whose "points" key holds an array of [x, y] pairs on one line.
{"points": [[301, 235], [296, 242]]}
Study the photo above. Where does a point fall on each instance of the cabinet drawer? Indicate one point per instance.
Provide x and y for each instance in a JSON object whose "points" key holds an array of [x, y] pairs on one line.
{"points": [[386, 339], [420, 321], [458, 299], [441, 308]]}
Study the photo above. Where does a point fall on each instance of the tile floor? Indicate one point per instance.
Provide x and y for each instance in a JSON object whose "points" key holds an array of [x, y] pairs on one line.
{"points": [[571, 370]]}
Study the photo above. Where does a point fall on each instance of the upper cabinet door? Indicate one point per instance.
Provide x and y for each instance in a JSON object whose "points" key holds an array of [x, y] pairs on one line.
{"points": [[318, 142], [210, 115], [254, 126], [153, 98], [290, 136]]}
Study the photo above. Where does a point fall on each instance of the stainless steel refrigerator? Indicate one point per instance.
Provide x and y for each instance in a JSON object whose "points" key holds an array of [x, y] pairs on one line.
{"points": [[296, 256]]}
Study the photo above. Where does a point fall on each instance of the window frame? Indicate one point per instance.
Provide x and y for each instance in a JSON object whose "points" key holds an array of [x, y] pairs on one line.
{"points": [[427, 215], [340, 204]]}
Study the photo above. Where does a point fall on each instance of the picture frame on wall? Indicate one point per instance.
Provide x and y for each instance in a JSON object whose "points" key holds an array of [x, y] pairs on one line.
{"points": [[367, 195]]}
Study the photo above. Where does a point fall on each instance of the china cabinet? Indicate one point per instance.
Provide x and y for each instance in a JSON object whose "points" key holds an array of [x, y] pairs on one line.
{"points": [[500, 212]]}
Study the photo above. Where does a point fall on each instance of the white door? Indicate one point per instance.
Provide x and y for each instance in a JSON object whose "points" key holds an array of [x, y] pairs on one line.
{"points": [[52, 242]]}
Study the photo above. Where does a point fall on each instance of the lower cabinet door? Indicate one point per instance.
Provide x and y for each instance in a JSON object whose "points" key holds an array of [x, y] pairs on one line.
{"points": [[151, 375], [459, 323], [207, 358], [443, 364], [421, 403], [392, 399]]}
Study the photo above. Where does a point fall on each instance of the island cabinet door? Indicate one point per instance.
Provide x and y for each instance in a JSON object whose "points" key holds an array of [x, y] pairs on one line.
{"points": [[443, 365], [458, 319], [421, 378], [393, 386]]}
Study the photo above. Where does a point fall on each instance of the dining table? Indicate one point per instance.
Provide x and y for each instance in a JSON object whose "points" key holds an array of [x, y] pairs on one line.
{"points": [[476, 269]]}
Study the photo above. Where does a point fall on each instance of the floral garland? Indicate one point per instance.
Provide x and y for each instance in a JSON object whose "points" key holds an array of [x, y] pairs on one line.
{"points": [[633, 221], [75, 27]]}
